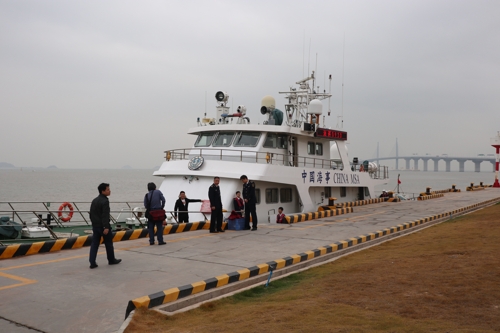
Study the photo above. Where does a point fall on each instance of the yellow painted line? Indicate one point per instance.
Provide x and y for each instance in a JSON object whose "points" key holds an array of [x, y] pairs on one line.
{"points": [[23, 281]]}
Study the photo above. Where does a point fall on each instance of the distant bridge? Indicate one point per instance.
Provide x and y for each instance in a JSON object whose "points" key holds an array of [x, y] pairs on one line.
{"points": [[477, 160]]}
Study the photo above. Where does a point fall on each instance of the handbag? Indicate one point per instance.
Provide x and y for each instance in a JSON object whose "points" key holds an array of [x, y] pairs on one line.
{"points": [[154, 215], [157, 215]]}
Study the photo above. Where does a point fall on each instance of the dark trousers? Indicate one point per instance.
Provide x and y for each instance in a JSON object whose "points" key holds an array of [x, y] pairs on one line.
{"points": [[96, 240], [250, 210], [159, 231], [216, 220], [183, 218]]}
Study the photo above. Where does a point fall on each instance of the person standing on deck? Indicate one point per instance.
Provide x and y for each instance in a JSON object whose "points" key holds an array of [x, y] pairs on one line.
{"points": [[182, 205], [250, 201], [154, 200], [216, 206], [99, 215]]}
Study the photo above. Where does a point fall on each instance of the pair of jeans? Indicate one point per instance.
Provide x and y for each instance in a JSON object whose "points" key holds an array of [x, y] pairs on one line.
{"points": [[159, 231], [98, 233]]}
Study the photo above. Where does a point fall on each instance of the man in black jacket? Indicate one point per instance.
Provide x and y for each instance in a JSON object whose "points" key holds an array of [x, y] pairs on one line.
{"points": [[99, 215], [182, 205], [216, 205], [250, 201]]}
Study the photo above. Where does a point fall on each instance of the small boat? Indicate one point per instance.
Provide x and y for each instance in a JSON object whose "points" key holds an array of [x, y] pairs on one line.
{"points": [[9, 229]]}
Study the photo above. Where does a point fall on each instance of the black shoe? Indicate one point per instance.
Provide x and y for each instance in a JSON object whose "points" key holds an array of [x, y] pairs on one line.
{"points": [[248, 228], [220, 230], [151, 243], [162, 243], [115, 262], [253, 229], [93, 266], [213, 232]]}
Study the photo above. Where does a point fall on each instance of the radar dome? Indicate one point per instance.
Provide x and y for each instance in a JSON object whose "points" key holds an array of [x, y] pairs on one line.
{"points": [[315, 107]]}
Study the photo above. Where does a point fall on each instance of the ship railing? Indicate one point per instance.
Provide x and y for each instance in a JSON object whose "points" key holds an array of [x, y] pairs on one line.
{"points": [[25, 212], [247, 156]]}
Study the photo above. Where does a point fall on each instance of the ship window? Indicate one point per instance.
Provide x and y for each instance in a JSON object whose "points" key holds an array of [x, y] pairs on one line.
{"points": [[328, 192], [224, 139], [247, 139], [319, 149], [343, 192], [272, 195], [204, 139], [271, 139], [286, 194], [282, 141], [274, 140], [257, 195], [311, 148]]}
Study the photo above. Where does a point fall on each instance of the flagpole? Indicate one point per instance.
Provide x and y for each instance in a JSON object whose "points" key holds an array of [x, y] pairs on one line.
{"points": [[398, 183]]}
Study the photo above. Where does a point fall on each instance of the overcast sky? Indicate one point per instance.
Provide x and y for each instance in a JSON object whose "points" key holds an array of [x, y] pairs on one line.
{"points": [[103, 84]]}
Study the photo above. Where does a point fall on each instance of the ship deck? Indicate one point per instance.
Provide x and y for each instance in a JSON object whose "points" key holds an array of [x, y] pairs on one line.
{"points": [[57, 292]]}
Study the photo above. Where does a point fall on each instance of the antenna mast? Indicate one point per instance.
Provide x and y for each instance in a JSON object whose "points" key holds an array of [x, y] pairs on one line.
{"points": [[341, 117]]}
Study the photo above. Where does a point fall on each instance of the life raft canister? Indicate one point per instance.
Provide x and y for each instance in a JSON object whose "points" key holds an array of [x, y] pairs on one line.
{"points": [[60, 213]]}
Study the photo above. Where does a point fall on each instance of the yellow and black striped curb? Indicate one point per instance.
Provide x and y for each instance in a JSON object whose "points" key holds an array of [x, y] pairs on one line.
{"points": [[25, 249], [295, 218], [431, 196], [448, 190], [352, 204], [174, 294]]}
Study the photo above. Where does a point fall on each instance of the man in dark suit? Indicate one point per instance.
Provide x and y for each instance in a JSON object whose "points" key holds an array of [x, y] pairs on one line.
{"points": [[250, 201], [216, 205], [99, 215]]}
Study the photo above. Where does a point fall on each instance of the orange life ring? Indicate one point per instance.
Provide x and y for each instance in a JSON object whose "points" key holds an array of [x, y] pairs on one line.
{"points": [[60, 213]]}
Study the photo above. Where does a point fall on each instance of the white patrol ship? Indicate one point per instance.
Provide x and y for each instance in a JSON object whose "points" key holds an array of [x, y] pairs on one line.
{"points": [[295, 162]]}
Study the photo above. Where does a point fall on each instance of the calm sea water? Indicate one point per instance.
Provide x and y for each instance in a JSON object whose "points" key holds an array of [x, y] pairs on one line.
{"points": [[58, 185]]}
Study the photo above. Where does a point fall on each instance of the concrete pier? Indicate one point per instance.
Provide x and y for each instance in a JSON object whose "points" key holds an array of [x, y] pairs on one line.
{"points": [[58, 293]]}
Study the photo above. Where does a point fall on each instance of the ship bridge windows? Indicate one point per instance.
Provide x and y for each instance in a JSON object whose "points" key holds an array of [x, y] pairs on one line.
{"points": [[224, 139], [315, 148], [247, 139], [276, 140], [204, 139], [272, 195]]}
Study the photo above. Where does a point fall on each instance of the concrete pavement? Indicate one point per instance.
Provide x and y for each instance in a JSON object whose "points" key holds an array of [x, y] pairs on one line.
{"points": [[57, 292]]}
